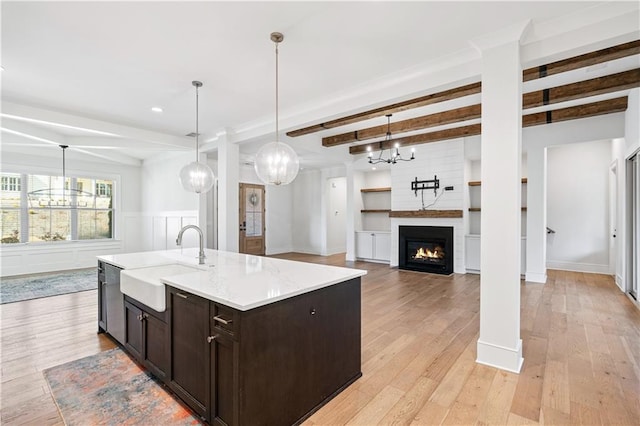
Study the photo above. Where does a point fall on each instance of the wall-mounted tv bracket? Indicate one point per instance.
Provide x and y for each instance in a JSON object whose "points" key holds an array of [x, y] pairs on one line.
{"points": [[421, 185]]}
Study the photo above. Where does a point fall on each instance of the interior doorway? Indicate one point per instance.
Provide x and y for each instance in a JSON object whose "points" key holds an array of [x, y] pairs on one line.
{"points": [[336, 241], [613, 217], [252, 224]]}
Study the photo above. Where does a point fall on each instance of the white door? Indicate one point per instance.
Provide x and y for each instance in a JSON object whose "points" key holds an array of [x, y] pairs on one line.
{"points": [[364, 245], [382, 246]]}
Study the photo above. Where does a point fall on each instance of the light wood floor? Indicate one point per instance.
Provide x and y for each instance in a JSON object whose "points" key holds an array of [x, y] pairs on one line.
{"points": [[581, 339]]}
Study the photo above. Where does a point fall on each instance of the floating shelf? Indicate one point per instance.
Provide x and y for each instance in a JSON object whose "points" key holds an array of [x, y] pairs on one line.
{"points": [[375, 211], [477, 209], [384, 189], [426, 213], [478, 183]]}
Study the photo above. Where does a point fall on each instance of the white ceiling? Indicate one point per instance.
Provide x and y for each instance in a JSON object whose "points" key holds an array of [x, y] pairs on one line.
{"points": [[104, 65]]}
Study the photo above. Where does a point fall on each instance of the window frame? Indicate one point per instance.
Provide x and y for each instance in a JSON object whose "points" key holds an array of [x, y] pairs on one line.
{"points": [[73, 175]]}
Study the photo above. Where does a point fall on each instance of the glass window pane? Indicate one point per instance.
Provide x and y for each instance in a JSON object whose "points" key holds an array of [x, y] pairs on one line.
{"points": [[48, 191], [49, 225], [10, 190], [254, 224], [10, 226], [94, 224]]}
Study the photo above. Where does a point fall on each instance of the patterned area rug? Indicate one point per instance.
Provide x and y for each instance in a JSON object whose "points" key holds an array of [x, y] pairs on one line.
{"points": [[110, 389], [44, 285]]}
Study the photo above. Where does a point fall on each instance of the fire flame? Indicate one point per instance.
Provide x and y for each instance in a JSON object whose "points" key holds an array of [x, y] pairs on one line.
{"points": [[428, 254]]}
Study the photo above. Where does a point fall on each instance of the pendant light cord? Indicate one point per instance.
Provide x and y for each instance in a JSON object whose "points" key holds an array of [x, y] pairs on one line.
{"points": [[64, 172], [197, 130], [277, 129]]}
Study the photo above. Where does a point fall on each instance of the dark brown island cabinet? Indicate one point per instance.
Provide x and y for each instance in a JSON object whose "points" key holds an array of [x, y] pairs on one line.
{"points": [[272, 365]]}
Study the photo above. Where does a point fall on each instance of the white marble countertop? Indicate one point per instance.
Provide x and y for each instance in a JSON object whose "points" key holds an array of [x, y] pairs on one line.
{"points": [[237, 280]]}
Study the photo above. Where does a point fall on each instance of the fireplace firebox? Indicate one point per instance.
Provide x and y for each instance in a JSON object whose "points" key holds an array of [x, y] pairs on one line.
{"points": [[426, 249]]}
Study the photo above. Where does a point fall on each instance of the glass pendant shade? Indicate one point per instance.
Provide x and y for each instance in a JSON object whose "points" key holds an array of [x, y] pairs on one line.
{"points": [[196, 177], [276, 163]]}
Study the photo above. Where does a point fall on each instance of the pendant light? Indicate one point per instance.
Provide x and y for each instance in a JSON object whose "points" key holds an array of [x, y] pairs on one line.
{"points": [[62, 197], [276, 163], [394, 154], [197, 177]]}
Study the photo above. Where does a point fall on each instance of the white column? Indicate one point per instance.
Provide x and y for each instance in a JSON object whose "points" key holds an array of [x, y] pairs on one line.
{"points": [[536, 215], [499, 344], [203, 211], [228, 193], [350, 219]]}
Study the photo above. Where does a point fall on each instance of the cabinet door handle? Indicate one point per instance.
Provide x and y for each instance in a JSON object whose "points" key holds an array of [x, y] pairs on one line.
{"points": [[211, 338], [184, 296], [222, 320], [139, 317]]}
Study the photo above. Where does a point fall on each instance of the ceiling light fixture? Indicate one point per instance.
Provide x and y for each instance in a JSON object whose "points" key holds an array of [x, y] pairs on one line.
{"points": [[60, 197], [276, 163], [156, 109], [197, 177], [394, 154]]}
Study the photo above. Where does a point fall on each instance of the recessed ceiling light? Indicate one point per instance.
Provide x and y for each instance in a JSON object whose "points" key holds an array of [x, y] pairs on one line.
{"points": [[373, 168], [156, 109]]}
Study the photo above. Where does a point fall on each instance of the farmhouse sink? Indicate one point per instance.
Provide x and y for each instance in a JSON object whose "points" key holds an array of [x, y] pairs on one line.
{"points": [[145, 285]]}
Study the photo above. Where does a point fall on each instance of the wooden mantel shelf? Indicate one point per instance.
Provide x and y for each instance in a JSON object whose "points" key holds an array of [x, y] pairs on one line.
{"points": [[426, 213], [384, 189]]}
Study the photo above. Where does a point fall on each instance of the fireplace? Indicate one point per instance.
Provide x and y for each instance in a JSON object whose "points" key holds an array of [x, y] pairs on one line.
{"points": [[426, 249]]}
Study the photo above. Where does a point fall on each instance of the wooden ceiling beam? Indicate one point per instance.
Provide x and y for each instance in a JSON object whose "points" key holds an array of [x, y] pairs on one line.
{"points": [[581, 61], [572, 113], [596, 86], [546, 117], [440, 135], [582, 89], [438, 119], [457, 92]]}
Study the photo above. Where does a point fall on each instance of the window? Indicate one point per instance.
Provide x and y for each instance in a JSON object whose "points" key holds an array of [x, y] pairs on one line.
{"points": [[11, 183], [41, 210], [103, 189]]}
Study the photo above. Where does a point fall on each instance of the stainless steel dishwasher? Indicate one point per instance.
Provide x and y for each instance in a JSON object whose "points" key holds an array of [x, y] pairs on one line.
{"points": [[114, 303]]}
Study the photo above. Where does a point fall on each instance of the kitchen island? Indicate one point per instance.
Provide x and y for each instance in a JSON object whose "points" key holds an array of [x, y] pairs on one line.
{"points": [[241, 339]]}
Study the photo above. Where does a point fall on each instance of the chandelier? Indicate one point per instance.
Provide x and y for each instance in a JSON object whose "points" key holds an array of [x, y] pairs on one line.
{"points": [[394, 153], [196, 176], [276, 163], [62, 197]]}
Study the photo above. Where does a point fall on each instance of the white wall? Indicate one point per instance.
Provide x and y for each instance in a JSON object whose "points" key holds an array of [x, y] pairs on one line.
{"points": [[578, 206], [307, 212], [166, 206], [18, 259], [444, 159]]}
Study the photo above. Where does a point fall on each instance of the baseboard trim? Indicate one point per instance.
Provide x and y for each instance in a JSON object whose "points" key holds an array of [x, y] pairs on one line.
{"points": [[591, 268], [509, 359], [536, 277]]}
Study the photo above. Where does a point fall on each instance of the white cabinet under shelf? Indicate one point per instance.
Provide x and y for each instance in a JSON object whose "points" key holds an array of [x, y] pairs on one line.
{"points": [[373, 246], [472, 254]]}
